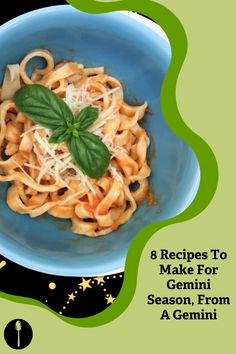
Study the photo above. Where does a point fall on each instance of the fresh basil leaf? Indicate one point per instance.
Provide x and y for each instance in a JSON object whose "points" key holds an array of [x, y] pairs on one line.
{"points": [[86, 117], [59, 135], [43, 106], [90, 154], [48, 110]]}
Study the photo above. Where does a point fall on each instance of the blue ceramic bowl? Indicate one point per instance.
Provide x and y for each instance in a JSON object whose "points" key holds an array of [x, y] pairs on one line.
{"points": [[139, 57]]}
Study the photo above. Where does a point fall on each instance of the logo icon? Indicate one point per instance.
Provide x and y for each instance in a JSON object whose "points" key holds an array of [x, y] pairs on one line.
{"points": [[18, 327], [18, 334]]}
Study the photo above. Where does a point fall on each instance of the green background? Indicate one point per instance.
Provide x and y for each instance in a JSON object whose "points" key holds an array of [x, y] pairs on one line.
{"points": [[205, 96]]}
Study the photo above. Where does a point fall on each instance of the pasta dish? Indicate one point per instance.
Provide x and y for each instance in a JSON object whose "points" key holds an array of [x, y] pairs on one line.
{"points": [[44, 176]]}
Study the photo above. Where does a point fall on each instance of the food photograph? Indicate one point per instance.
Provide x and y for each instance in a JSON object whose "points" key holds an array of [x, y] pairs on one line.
{"points": [[87, 158]]}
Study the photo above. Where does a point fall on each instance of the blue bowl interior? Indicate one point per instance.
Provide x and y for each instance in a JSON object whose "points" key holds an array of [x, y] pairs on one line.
{"points": [[139, 58]]}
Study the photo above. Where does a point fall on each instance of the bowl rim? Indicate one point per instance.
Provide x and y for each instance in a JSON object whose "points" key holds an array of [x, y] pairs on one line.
{"points": [[141, 19], [154, 27]]}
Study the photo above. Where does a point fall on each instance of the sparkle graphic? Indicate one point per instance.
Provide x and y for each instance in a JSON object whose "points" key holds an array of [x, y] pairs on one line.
{"points": [[52, 286], [100, 280], [110, 299], [2, 264], [85, 284], [71, 296]]}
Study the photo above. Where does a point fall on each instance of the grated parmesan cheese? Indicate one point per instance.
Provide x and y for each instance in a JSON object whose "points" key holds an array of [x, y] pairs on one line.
{"points": [[78, 97], [104, 94], [113, 171], [21, 168]]}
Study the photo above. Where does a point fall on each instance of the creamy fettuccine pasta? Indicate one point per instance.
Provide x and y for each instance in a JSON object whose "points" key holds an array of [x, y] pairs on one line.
{"points": [[44, 177]]}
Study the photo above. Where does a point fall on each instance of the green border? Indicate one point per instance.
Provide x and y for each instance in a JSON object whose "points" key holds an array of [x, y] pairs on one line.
{"points": [[208, 165]]}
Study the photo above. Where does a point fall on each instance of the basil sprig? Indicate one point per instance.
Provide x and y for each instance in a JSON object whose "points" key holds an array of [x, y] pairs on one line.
{"points": [[45, 108]]}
